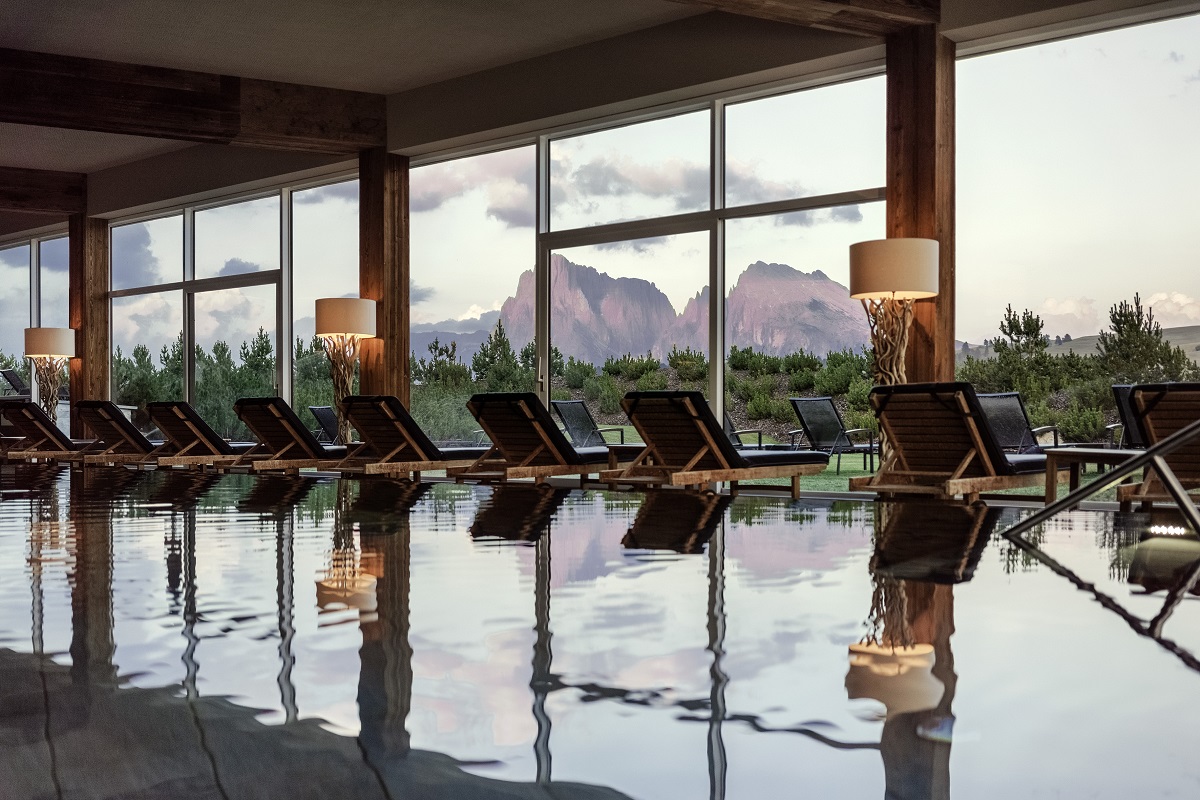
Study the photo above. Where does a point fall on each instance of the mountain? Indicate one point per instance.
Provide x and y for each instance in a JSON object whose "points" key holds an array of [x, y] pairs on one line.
{"points": [[774, 308]]}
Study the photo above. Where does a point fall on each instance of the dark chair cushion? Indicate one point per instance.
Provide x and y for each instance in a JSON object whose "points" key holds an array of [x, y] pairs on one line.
{"points": [[765, 458], [1026, 462]]}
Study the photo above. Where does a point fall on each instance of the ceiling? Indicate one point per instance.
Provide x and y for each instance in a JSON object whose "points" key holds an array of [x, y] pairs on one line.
{"points": [[380, 46], [31, 147]]}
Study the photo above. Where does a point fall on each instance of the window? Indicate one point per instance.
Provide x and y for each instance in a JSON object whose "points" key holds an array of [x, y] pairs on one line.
{"points": [[14, 312]]}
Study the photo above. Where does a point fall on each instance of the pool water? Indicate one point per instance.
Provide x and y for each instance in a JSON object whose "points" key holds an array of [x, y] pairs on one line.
{"points": [[167, 634]]}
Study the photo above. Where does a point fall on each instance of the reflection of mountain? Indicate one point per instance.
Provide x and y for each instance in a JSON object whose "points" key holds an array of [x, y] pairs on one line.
{"points": [[772, 307]]}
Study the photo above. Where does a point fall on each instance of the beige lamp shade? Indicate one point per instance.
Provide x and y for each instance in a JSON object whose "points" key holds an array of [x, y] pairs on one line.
{"points": [[898, 269], [51, 342], [346, 316]]}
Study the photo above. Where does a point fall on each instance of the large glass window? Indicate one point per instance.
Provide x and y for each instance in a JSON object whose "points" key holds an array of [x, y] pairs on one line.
{"points": [[14, 313], [324, 264], [54, 283], [473, 255], [238, 238], [235, 353], [147, 253]]}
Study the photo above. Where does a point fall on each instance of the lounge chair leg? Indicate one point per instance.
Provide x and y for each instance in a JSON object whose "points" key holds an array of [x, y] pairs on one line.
{"points": [[795, 487]]}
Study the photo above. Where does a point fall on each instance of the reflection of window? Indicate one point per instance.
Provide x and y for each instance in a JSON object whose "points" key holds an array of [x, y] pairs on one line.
{"points": [[650, 169]]}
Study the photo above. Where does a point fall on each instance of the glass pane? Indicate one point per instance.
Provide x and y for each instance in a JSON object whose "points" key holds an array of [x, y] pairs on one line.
{"points": [[324, 264], [147, 358], [463, 284], [818, 141], [621, 313], [651, 169], [1077, 166], [54, 259], [235, 353], [14, 312], [147, 253], [787, 308], [238, 238]]}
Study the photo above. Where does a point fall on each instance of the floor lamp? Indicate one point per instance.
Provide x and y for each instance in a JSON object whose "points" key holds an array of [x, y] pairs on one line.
{"points": [[49, 349], [887, 275], [342, 322]]}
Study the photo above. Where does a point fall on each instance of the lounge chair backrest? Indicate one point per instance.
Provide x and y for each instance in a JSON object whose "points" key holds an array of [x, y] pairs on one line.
{"points": [[108, 424], [39, 430], [187, 430], [822, 424], [682, 430], [384, 424], [327, 419], [1160, 410], [278, 428], [578, 421], [1010, 422], [521, 428], [932, 427], [19, 386], [1132, 434]]}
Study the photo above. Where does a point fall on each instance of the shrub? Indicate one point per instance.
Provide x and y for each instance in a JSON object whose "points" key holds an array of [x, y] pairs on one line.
{"points": [[691, 365], [560, 394], [861, 419], [629, 367], [763, 406], [652, 381], [610, 398], [442, 413], [577, 372], [801, 380], [857, 396], [800, 361], [746, 360], [835, 380], [1081, 424]]}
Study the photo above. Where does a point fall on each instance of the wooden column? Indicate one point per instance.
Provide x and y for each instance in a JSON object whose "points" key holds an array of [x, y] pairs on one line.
{"points": [[383, 269], [920, 181], [88, 270]]}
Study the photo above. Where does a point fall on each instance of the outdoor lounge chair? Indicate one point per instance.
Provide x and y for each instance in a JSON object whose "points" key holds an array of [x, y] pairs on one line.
{"points": [[581, 426], [822, 426], [1131, 436], [735, 435], [327, 424], [681, 522], [42, 439], [394, 444], [1010, 423], [687, 446], [196, 443], [291, 445], [942, 445], [18, 385], [1161, 409], [120, 441], [527, 444]]}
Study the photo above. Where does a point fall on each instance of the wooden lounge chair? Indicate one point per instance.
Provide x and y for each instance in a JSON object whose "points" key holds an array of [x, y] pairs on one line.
{"points": [[42, 440], [942, 445], [291, 445], [517, 513], [527, 444], [1159, 410], [681, 522], [196, 443], [394, 444], [120, 441], [687, 446]]}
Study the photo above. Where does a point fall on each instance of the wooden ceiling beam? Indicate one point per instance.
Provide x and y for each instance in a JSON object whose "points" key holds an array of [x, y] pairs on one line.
{"points": [[860, 17], [42, 191], [92, 95]]}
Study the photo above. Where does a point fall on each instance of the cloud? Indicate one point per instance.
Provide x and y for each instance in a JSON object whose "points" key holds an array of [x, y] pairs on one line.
{"points": [[55, 255], [638, 246], [133, 264], [1174, 57], [846, 214], [804, 219], [15, 257], [507, 177], [238, 266], [1074, 315], [346, 191], [1193, 78], [1174, 309], [418, 294], [743, 185]]}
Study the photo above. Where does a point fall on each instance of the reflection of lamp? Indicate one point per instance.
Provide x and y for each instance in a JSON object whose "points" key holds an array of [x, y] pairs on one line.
{"points": [[887, 275], [49, 349], [341, 323], [899, 677]]}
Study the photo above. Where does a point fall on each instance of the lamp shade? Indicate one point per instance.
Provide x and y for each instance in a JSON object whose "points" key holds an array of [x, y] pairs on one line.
{"points": [[900, 269], [52, 342], [346, 316]]}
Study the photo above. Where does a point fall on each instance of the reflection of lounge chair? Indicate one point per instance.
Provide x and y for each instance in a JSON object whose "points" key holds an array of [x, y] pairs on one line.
{"points": [[933, 542], [276, 495], [942, 445], [823, 428], [291, 445], [394, 444], [42, 440], [181, 490], [687, 446], [682, 522], [1159, 410], [526, 443], [121, 442], [517, 512], [195, 442]]}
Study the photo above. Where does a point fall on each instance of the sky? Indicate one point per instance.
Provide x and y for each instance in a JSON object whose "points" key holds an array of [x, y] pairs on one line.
{"points": [[1076, 176]]}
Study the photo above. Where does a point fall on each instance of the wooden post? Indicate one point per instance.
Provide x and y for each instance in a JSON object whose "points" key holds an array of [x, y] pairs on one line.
{"points": [[89, 310], [920, 181], [383, 271]]}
